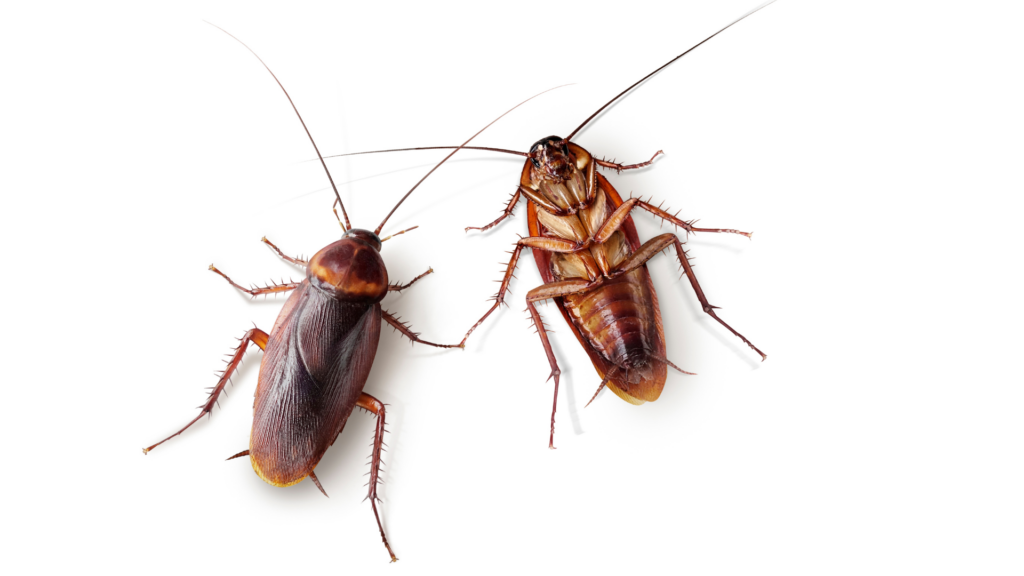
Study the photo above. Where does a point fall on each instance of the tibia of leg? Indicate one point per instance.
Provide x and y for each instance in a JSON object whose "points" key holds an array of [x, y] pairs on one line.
{"points": [[400, 287], [688, 226], [708, 308], [499, 298], [255, 336], [555, 371], [375, 406], [298, 261], [402, 327], [254, 292], [505, 214], [621, 167]]}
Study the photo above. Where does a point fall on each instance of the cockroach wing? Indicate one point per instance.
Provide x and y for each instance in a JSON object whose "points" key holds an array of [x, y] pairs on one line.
{"points": [[316, 363], [642, 387]]}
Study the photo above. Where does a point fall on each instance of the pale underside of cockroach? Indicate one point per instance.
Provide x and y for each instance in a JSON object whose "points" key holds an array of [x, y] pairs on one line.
{"points": [[594, 267], [593, 264], [618, 322]]}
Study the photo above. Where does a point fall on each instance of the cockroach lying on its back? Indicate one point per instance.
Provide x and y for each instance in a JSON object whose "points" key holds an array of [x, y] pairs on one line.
{"points": [[593, 263], [319, 353]]}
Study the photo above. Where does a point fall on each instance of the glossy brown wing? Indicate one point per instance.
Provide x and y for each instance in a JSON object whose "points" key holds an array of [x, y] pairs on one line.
{"points": [[316, 363], [648, 388]]}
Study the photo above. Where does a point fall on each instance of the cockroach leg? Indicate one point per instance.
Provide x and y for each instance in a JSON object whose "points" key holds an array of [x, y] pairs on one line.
{"points": [[400, 287], [615, 220], [296, 261], [592, 187], [404, 329], [708, 308], [535, 242], [650, 249], [555, 371], [371, 404], [544, 204], [239, 455], [508, 212], [549, 244], [254, 292], [499, 298], [553, 290], [255, 336], [688, 226], [316, 481], [621, 167]]}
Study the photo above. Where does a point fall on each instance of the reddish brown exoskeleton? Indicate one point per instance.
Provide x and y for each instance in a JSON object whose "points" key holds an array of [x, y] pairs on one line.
{"points": [[593, 263], [319, 353]]}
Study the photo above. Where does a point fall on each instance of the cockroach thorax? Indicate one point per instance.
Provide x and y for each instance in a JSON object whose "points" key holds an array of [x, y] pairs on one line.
{"points": [[351, 269]]}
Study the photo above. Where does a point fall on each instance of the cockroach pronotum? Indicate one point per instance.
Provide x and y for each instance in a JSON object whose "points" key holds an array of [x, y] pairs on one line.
{"points": [[318, 355], [593, 264]]}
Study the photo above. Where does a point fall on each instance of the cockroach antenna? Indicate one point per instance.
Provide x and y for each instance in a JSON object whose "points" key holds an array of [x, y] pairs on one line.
{"points": [[347, 224], [457, 148]]}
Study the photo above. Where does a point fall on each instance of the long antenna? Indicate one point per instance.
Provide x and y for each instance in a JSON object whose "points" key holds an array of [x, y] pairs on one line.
{"points": [[621, 94], [524, 154], [438, 165], [338, 196]]}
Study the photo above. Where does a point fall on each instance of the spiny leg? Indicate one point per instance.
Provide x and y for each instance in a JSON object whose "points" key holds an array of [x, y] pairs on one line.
{"points": [[371, 404], [402, 327], [254, 292], [499, 298], [534, 242], [621, 167], [553, 290], [708, 308], [297, 261], [617, 217], [257, 337], [505, 214], [650, 249], [400, 287]]}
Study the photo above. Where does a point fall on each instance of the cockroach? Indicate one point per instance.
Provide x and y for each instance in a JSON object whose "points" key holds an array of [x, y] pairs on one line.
{"points": [[319, 353], [593, 264]]}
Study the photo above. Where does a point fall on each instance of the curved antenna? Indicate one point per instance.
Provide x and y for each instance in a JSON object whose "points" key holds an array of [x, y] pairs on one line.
{"points": [[640, 81], [338, 196], [525, 154], [438, 165]]}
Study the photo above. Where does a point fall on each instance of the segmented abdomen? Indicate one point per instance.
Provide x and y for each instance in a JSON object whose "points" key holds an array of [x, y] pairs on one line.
{"points": [[617, 319]]}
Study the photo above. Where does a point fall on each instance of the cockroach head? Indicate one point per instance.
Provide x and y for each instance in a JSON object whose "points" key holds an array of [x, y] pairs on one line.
{"points": [[551, 155], [364, 235]]}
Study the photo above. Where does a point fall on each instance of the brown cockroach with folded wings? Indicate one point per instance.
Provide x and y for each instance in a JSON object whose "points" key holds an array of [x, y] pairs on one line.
{"points": [[318, 355], [593, 263]]}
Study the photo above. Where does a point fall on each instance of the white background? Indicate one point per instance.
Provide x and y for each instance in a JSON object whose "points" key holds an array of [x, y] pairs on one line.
{"points": [[874, 148]]}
